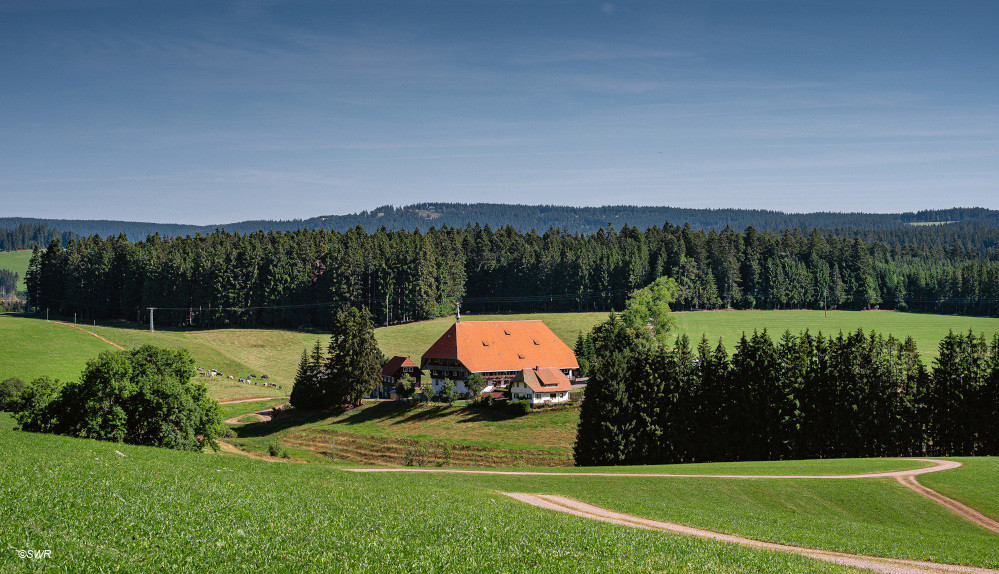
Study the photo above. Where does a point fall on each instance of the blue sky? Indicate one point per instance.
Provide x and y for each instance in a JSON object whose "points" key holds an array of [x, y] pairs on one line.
{"points": [[212, 112]]}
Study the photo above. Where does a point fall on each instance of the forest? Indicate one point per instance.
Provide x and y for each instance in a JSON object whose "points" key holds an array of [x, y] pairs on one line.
{"points": [[289, 279], [800, 397], [27, 235], [541, 217]]}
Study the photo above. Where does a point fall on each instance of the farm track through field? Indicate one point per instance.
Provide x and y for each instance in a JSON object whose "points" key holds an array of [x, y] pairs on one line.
{"points": [[250, 400], [965, 511], [92, 334], [935, 466], [905, 477], [871, 563]]}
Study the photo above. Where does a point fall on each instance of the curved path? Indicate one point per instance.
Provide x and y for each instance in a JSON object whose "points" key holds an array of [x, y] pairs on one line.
{"points": [[250, 400], [262, 417], [935, 465], [872, 563]]}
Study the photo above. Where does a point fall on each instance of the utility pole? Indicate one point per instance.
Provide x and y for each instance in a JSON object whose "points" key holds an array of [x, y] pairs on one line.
{"points": [[151, 328], [825, 303]]}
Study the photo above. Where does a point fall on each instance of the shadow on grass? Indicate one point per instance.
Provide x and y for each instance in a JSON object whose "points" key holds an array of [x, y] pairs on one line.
{"points": [[491, 415], [408, 411], [282, 422], [144, 325]]}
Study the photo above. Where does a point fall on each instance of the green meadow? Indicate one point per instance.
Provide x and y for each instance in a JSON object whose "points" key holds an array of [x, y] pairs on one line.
{"points": [[728, 326], [975, 484], [926, 329], [30, 347], [148, 509], [105, 506], [16, 261]]}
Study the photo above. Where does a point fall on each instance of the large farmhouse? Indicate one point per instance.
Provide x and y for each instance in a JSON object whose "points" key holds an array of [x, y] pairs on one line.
{"points": [[497, 350]]}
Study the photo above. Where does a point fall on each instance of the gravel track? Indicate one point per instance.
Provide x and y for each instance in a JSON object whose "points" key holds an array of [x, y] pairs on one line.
{"points": [[935, 466], [871, 563]]}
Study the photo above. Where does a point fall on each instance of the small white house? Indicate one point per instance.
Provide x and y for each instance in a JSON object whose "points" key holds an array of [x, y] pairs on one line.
{"points": [[538, 386]]}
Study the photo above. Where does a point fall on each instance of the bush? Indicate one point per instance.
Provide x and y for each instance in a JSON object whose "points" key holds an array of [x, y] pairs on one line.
{"points": [[10, 394], [520, 407], [405, 387], [147, 396], [475, 384], [447, 394], [427, 392]]}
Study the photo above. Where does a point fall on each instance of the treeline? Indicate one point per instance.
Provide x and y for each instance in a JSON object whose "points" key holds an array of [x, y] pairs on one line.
{"points": [[524, 218], [801, 397], [8, 283], [303, 277], [27, 235]]}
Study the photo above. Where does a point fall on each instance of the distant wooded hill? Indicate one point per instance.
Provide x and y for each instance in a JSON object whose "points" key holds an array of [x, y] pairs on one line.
{"points": [[539, 217]]}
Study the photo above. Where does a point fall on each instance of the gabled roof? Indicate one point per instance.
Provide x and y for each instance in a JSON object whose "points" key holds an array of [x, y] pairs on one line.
{"points": [[395, 363], [503, 346], [544, 380]]}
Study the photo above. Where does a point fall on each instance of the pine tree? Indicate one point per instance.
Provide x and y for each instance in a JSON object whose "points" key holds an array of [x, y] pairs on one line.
{"points": [[352, 364]]}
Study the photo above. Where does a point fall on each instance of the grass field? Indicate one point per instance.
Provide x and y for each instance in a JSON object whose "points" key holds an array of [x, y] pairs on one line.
{"points": [[974, 485], [869, 516], [383, 433], [104, 506], [156, 510], [34, 347], [926, 329], [31, 347], [16, 261]]}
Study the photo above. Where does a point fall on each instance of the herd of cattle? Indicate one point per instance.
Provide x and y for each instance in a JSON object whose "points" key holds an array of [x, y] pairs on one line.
{"points": [[211, 373]]}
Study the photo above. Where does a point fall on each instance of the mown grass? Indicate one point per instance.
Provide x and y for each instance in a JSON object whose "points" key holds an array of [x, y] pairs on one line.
{"points": [[16, 261], [493, 437], [148, 510], [414, 339], [238, 409], [868, 516], [926, 329], [975, 484], [815, 467], [32, 347]]}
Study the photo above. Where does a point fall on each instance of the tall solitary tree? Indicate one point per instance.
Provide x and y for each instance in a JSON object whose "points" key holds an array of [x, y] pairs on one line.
{"points": [[353, 365]]}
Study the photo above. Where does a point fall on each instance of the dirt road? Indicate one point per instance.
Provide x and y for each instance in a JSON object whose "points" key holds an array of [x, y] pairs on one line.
{"points": [[871, 563], [935, 466]]}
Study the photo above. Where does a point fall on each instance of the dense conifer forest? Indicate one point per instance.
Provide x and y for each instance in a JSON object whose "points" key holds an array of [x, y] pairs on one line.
{"points": [[802, 396], [538, 217], [302, 277], [27, 235]]}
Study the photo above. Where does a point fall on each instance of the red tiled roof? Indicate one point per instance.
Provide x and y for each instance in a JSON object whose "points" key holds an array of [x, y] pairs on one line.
{"points": [[396, 363], [544, 380], [503, 346]]}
